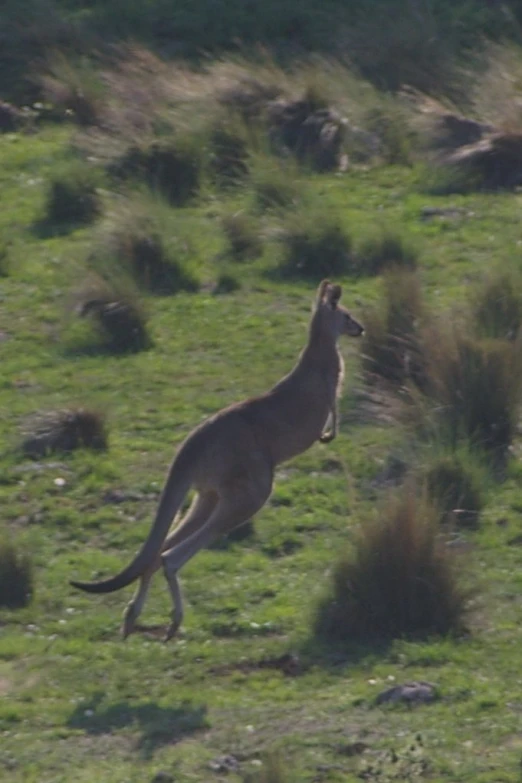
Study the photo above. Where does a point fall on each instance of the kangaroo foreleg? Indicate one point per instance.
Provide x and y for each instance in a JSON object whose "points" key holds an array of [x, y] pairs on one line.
{"points": [[328, 435]]}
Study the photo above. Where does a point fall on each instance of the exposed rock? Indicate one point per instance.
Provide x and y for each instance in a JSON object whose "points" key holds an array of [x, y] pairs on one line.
{"points": [[452, 131], [225, 764], [412, 693], [312, 134], [10, 117], [494, 162]]}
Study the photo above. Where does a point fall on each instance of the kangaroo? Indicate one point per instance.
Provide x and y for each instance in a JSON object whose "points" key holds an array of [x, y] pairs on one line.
{"points": [[230, 459]]}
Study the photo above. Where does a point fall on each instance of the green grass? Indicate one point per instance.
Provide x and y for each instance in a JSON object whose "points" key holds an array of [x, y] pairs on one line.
{"points": [[79, 703]]}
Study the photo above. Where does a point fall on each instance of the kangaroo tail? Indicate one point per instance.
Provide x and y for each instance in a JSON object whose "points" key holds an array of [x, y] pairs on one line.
{"points": [[176, 487]]}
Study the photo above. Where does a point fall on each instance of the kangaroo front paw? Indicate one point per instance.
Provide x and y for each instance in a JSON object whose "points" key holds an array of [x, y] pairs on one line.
{"points": [[327, 437]]}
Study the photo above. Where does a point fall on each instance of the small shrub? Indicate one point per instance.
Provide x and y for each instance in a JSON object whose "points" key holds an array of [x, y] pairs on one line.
{"points": [[445, 180], [474, 388], [5, 261], [496, 307], [117, 315], [386, 249], [392, 350], [315, 246], [272, 770], [455, 484], [171, 167], [275, 186], [226, 284], [390, 123], [16, 575], [63, 431], [72, 197], [228, 155], [74, 87], [400, 580], [137, 242], [243, 236]]}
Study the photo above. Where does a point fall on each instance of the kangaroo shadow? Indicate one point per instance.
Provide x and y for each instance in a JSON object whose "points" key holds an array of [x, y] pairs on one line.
{"points": [[158, 725]]}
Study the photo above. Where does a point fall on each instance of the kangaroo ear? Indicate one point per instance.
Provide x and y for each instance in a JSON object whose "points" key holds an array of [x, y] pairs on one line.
{"points": [[333, 295], [321, 291]]}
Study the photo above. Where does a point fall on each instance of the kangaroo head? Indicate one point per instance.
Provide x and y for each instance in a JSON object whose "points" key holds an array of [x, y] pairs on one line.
{"points": [[332, 316]]}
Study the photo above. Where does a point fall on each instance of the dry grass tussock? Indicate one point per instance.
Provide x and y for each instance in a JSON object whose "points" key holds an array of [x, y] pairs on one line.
{"points": [[272, 770], [455, 482], [478, 141], [115, 312], [72, 197], [16, 575], [496, 304], [143, 240], [473, 388], [399, 580], [147, 99], [63, 431], [392, 353]]}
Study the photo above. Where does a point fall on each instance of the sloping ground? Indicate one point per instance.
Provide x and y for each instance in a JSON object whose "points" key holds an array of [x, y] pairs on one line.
{"points": [[244, 677]]}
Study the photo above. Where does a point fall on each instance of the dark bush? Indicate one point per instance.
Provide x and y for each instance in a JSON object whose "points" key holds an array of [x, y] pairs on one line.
{"points": [[474, 388], [119, 319], [228, 159], [384, 250], [400, 580], [226, 284], [315, 246], [64, 431], [496, 306], [243, 236], [72, 198], [392, 351], [16, 575], [138, 244], [455, 484], [171, 167]]}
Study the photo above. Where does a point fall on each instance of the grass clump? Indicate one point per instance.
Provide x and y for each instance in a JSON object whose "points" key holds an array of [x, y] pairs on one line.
{"points": [[5, 260], [73, 87], [390, 123], [226, 283], [474, 388], [117, 315], [64, 431], [314, 246], [274, 185], [399, 581], [228, 154], [171, 167], [242, 235], [496, 307], [385, 249], [138, 242], [455, 483], [72, 197], [392, 350], [273, 770], [16, 575]]}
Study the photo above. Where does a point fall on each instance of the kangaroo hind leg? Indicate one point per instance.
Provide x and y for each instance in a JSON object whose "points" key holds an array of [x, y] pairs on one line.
{"points": [[230, 511], [198, 513]]}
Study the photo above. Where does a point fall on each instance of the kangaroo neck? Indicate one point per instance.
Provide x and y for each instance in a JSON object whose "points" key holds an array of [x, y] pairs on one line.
{"points": [[321, 352]]}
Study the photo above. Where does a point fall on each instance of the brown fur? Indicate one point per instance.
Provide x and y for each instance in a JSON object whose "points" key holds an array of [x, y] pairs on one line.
{"points": [[230, 459]]}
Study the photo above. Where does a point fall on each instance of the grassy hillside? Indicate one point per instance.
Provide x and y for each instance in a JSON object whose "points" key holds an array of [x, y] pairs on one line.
{"points": [[168, 193]]}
